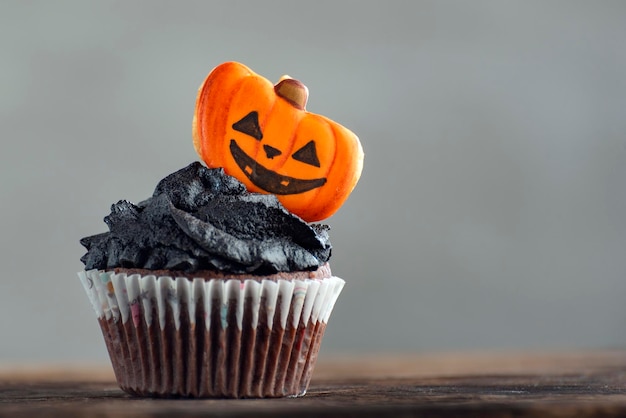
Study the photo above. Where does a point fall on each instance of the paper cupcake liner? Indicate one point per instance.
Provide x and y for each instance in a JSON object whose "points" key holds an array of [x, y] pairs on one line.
{"points": [[211, 338]]}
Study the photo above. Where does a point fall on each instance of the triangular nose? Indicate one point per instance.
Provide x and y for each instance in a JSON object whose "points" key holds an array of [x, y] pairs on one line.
{"points": [[270, 151]]}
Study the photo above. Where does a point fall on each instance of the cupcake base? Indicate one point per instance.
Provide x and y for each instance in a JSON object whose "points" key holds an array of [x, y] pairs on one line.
{"points": [[211, 338]]}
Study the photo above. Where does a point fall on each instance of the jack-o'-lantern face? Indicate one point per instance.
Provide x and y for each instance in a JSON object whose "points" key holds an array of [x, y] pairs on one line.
{"points": [[269, 180], [262, 135]]}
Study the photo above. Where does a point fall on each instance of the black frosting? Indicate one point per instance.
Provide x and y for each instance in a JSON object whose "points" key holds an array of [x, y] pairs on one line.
{"points": [[202, 219]]}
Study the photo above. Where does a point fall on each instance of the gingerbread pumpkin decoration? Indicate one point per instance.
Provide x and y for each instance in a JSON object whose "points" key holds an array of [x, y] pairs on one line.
{"points": [[262, 135]]}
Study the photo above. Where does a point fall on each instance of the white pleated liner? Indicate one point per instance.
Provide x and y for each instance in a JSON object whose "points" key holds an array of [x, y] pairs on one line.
{"points": [[227, 359], [121, 296]]}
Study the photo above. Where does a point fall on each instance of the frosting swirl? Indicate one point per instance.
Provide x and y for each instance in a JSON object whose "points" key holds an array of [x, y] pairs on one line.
{"points": [[202, 219]]}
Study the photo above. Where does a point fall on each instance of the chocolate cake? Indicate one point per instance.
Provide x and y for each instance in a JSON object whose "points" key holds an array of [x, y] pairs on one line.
{"points": [[207, 290]]}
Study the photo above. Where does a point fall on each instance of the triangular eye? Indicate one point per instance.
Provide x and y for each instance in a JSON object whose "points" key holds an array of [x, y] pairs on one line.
{"points": [[249, 125], [307, 154]]}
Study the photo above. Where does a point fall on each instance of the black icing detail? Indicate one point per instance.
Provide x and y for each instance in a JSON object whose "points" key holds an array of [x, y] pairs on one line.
{"points": [[200, 218], [271, 152], [249, 125], [269, 180], [307, 154]]}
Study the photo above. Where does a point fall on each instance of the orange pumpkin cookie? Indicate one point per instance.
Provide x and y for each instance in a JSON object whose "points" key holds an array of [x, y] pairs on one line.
{"points": [[262, 135]]}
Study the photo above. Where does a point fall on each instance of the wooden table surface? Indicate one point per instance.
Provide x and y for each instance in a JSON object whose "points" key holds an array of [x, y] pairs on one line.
{"points": [[555, 384]]}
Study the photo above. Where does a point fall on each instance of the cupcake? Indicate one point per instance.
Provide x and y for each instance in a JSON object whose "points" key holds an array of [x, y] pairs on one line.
{"points": [[217, 286]]}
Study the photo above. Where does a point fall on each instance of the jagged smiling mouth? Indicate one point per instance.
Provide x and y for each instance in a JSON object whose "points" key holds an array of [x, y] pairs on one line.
{"points": [[269, 180]]}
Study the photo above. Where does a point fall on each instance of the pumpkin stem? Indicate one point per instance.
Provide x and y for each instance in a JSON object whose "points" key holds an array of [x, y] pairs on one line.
{"points": [[293, 91]]}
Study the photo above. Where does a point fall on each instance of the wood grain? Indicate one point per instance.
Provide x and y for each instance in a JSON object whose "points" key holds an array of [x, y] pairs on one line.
{"points": [[558, 384]]}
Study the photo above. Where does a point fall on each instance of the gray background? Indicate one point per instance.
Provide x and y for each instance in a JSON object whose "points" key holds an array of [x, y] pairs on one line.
{"points": [[490, 213]]}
